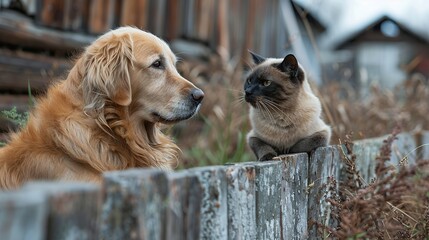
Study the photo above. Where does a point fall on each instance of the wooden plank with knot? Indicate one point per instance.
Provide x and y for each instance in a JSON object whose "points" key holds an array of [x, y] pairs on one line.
{"points": [[73, 209], [241, 201], [184, 206], [23, 215], [135, 204], [213, 219], [324, 164], [294, 194], [268, 199]]}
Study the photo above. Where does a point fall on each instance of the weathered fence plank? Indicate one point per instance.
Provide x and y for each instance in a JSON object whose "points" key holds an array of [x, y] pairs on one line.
{"points": [[134, 204], [184, 206], [213, 218], [366, 152], [268, 199], [403, 146], [23, 215], [425, 145], [241, 201], [294, 196], [73, 209], [324, 163]]}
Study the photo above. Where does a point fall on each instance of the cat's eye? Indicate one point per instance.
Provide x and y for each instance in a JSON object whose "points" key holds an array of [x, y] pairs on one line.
{"points": [[267, 83], [249, 81]]}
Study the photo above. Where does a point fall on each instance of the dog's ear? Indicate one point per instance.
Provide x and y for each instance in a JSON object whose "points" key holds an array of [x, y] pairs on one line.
{"points": [[107, 71]]}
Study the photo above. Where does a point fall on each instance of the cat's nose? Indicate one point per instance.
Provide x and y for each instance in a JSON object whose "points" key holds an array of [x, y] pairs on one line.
{"points": [[247, 92]]}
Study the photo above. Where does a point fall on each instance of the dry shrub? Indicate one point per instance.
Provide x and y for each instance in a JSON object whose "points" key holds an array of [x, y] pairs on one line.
{"points": [[374, 115], [394, 206]]}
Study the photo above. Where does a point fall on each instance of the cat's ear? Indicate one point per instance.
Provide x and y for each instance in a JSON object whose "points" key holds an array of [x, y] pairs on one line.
{"points": [[289, 65], [257, 59]]}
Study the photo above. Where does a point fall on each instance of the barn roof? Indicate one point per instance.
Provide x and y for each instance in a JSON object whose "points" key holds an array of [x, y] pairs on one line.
{"points": [[345, 20]]}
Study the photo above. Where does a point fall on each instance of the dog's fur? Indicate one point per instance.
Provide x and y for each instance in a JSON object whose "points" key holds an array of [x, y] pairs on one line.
{"points": [[105, 115]]}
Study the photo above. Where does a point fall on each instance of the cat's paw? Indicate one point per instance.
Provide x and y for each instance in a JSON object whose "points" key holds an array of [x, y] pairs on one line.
{"points": [[267, 157]]}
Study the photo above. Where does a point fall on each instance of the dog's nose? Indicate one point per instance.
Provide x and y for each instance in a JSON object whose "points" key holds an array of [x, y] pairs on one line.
{"points": [[197, 95]]}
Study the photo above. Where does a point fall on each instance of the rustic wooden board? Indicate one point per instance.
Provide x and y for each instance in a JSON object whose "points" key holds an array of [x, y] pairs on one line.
{"points": [[325, 162], [241, 201], [134, 204], [19, 30], [130, 10], [76, 15], [268, 199], [213, 218], [50, 13], [184, 206], [74, 209], [18, 70], [102, 16], [366, 152], [23, 215], [425, 145], [294, 211], [403, 150]]}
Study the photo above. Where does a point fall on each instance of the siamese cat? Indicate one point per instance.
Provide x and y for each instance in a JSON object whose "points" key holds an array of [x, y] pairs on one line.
{"points": [[284, 112]]}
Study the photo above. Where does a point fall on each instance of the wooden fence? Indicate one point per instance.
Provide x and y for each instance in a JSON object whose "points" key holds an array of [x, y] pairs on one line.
{"points": [[253, 200]]}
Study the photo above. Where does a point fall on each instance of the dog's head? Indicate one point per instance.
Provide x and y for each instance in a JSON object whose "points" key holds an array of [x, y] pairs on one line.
{"points": [[133, 68]]}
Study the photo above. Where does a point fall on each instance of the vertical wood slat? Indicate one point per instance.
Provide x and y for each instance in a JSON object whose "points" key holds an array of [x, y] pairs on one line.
{"points": [[76, 15], [73, 209], [184, 206], [325, 162], [294, 206], [405, 145], [102, 16], [50, 13], [268, 199], [135, 13], [425, 145], [241, 201], [135, 204], [213, 218], [366, 152], [23, 215]]}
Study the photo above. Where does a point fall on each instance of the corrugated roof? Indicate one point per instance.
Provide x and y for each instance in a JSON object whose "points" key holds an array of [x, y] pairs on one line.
{"points": [[346, 19]]}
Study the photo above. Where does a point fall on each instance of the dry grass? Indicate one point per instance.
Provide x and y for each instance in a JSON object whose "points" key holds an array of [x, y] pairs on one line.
{"points": [[407, 106], [394, 206]]}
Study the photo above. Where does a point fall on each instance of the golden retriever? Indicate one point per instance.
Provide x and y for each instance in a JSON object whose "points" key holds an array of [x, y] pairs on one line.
{"points": [[105, 116]]}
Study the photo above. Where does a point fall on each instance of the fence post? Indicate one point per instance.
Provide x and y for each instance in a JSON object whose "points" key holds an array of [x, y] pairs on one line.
{"points": [[23, 215], [294, 207], [425, 145], [213, 218], [134, 204], [366, 151], [241, 201], [268, 199], [405, 145], [73, 208], [184, 206], [325, 162]]}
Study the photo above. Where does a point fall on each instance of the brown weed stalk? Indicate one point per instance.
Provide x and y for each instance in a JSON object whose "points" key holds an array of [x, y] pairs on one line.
{"points": [[393, 206]]}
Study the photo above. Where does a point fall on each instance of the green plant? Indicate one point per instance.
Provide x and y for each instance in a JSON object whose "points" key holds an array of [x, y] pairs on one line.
{"points": [[16, 117]]}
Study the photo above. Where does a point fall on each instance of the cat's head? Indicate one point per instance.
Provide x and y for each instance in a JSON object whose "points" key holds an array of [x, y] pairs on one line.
{"points": [[274, 83]]}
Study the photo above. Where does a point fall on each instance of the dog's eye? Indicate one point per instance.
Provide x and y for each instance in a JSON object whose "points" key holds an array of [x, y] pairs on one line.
{"points": [[157, 64]]}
